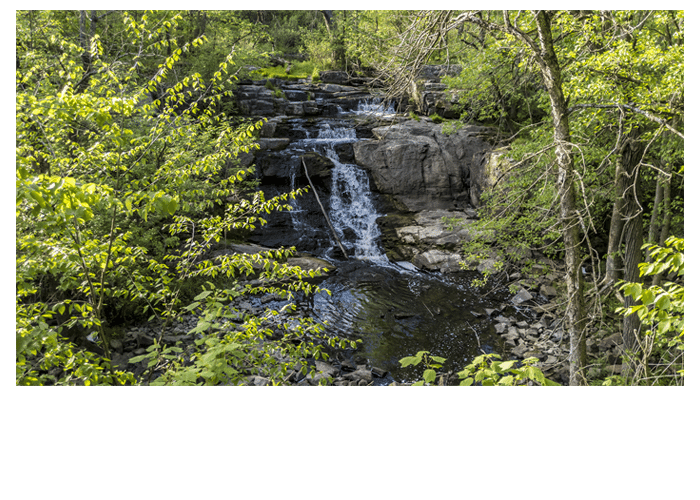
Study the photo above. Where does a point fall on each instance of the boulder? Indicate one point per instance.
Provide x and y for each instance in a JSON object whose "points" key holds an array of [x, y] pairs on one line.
{"points": [[308, 263], [610, 342], [273, 144], [434, 72], [361, 374], [438, 260], [337, 77], [422, 168]]}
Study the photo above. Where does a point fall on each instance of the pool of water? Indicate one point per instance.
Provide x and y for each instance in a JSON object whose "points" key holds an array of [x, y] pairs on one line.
{"points": [[398, 312]]}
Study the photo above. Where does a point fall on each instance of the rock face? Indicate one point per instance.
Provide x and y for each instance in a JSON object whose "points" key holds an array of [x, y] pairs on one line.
{"points": [[277, 97], [423, 168], [430, 239]]}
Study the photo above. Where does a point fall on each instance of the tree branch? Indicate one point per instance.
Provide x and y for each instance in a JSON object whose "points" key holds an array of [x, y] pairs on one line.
{"points": [[630, 107]]}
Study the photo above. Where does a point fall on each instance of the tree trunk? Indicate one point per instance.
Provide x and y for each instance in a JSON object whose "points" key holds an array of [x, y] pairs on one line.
{"points": [[613, 263], [665, 226], [200, 23], [631, 213], [85, 36], [549, 65], [328, 19], [654, 226]]}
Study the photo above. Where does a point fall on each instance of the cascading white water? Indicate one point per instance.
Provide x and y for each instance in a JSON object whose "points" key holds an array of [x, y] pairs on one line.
{"points": [[352, 211], [352, 208], [376, 107]]}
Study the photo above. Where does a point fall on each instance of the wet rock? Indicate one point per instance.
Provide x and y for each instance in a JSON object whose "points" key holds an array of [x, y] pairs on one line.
{"points": [[296, 95], [326, 369], [361, 374], [347, 365], [273, 144], [307, 263]]}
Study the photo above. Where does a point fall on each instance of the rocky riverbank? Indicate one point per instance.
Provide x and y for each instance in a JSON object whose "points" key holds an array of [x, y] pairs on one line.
{"points": [[529, 323]]}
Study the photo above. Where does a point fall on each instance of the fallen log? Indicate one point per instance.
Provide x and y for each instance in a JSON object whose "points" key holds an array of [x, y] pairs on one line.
{"points": [[328, 220]]}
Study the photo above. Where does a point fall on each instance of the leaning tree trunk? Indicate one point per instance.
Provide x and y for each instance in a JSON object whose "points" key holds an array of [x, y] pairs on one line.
{"points": [[575, 314]]}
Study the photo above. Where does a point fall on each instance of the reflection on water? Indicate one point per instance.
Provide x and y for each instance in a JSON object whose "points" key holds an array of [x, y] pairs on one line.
{"points": [[397, 313]]}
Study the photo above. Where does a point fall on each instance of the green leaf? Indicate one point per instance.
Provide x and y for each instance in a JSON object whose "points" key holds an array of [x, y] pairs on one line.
{"points": [[192, 306], [410, 361], [663, 302], [507, 365], [429, 375], [647, 297], [203, 295], [507, 380]]}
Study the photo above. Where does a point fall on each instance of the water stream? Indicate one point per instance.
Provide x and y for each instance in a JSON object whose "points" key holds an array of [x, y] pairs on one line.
{"points": [[396, 309]]}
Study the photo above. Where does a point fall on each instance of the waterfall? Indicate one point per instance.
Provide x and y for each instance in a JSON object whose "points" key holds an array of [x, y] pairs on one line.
{"points": [[351, 210], [376, 107]]}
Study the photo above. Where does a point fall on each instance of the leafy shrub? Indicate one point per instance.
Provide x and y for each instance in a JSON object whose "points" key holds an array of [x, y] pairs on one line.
{"points": [[486, 370]]}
